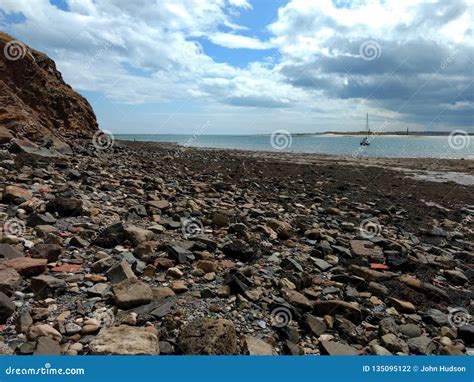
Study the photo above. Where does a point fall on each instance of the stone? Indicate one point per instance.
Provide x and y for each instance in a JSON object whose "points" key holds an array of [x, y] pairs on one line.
{"points": [[110, 236], [181, 255], [208, 336], [369, 274], [256, 346], [207, 265], [365, 248], [451, 350], [150, 271], [333, 307], [379, 350], [410, 330], [337, 348], [297, 299], [78, 242], [289, 263], [99, 290], [39, 330], [421, 345], [284, 230], [179, 287], [321, 264], [131, 293], [402, 306], [394, 344], [10, 280], [317, 325], [7, 308], [222, 218], [26, 266], [47, 346], [138, 235], [71, 328], [125, 340], [50, 252], [236, 281], [466, 333], [65, 207], [456, 277], [23, 322], [160, 204], [47, 286], [36, 219], [16, 195], [166, 348], [5, 349], [8, 252], [174, 273], [436, 317], [120, 272], [161, 292], [313, 233], [238, 250], [90, 328]]}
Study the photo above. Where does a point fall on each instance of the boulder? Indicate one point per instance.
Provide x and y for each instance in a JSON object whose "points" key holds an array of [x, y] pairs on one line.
{"points": [[50, 252], [17, 195], [131, 293], [125, 340], [65, 207], [208, 336]]}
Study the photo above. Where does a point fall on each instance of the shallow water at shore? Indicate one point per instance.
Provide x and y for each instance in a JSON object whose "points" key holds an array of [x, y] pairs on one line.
{"points": [[395, 147]]}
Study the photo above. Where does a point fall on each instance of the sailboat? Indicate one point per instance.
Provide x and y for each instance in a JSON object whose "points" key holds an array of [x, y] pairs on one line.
{"points": [[365, 141]]}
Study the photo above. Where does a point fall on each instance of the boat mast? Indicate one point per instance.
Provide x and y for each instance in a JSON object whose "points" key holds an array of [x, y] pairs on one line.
{"points": [[367, 125]]}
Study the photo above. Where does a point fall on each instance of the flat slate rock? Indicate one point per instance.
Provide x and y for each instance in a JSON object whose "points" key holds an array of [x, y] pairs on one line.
{"points": [[337, 348]]}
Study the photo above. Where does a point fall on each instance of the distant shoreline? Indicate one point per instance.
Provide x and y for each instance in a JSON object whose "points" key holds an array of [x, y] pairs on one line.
{"points": [[329, 134]]}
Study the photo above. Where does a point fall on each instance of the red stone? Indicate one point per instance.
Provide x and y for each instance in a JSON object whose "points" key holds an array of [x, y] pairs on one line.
{"points": [[26, 266], [66, 268], [379, 266]]}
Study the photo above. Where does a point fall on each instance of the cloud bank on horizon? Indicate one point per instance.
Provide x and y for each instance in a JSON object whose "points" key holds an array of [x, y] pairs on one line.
{"points": [[250, 67]]}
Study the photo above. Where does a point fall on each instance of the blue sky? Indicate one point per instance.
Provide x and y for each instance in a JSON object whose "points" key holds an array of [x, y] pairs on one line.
{"points": [[255, 66]]}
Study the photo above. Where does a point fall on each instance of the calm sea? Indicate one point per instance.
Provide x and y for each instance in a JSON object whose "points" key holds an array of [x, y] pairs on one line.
{"points": [[402, 147]]}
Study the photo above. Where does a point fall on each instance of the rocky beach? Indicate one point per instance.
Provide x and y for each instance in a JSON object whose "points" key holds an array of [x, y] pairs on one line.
{"points": [[116, 247]]}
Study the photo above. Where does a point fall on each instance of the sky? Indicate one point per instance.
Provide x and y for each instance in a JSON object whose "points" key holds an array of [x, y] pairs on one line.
{"points": [[256, 66]]}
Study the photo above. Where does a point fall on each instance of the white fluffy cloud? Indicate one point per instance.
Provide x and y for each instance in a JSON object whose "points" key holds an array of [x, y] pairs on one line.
{"points": [[148, 52]]}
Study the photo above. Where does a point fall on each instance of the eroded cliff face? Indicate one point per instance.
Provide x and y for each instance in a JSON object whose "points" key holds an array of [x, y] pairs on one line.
{"points": [[37, 108]]}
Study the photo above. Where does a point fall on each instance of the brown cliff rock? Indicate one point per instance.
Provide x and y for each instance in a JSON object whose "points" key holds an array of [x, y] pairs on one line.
{"points": [[37, 108]]}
